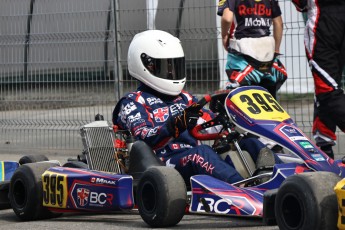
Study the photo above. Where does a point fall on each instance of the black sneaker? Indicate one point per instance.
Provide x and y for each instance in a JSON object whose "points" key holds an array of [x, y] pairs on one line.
{"points": [[328, 150]]}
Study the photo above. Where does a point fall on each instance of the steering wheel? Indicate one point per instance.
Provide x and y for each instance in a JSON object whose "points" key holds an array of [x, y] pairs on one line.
{"points": [[215, 101]]}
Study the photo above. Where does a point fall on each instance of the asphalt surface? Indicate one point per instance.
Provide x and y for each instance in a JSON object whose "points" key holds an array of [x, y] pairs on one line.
{"points": [[8, 220]]}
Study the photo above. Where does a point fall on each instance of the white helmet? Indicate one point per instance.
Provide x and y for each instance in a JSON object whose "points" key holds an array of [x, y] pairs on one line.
{"points": [[156, 58]]}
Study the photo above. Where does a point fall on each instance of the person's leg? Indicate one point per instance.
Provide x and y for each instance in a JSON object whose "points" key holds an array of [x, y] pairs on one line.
{"points": [[323, 134], [203, 160], [324, 60], [239, 70], [273, 80], [267, 83], [279, 75]]}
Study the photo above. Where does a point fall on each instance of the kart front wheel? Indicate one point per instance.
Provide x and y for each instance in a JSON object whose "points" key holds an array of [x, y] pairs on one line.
{"points": [[161, 196], [307, 201], [26, 193], [32, 159]]}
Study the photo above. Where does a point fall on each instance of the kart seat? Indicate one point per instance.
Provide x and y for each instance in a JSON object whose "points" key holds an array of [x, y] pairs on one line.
{"points": [[141, 157], [264, 162], [239, 163]]}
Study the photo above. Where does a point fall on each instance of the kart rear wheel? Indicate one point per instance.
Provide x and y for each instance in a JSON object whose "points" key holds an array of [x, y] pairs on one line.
{"points": [[32, 159], [161, 196], [76, 164], [26, 195], [307, 201]]}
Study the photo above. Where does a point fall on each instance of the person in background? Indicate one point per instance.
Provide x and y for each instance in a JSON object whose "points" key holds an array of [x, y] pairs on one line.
{"points": [[161, 113], [252, 52], [324, 41]]}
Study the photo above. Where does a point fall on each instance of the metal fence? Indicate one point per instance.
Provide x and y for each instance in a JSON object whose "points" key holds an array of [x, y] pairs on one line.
{"points": [[56, 70], [62, 62]]}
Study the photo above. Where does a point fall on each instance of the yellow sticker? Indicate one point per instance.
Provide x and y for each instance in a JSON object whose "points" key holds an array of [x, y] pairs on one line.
{"points": [[340, 191], [2, 171], [221, 2], [259, 105], [54, 189]]}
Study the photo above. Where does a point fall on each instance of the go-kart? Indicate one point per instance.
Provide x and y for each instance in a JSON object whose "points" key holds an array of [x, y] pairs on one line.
{"points": [[104, 178], [297, 194]]}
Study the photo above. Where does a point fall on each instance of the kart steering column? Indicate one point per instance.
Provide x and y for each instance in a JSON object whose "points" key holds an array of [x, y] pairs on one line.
{"points": [[244, 160]]}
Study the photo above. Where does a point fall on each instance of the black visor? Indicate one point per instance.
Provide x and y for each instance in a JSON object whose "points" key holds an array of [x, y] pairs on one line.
{"points": [[169, 68]]}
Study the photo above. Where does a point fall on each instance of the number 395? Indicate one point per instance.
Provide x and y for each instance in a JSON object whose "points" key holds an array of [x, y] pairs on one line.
{"points": [[53, 189]]}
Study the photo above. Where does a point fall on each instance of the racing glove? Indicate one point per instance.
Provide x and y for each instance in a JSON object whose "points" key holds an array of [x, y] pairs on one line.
{"points": [[186, 121]]}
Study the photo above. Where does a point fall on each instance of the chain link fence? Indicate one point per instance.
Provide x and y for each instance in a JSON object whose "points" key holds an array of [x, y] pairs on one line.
{"points": [[56, 70], [62, 62]]}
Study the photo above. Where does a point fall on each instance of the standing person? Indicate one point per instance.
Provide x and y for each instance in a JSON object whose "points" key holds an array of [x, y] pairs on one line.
{"points": [[324, 40], [252, 52], [160, 113]]}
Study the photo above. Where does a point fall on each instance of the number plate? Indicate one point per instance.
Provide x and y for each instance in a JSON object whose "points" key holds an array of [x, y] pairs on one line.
{"points": [[54, 189], [259, 105]]}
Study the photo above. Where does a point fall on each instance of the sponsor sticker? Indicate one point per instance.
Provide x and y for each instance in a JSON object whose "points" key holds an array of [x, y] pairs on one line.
{"points": [[306, 145], [83, 196], [318, 157], [86, 196], [98, 180], [161, 114], [153, 100]]}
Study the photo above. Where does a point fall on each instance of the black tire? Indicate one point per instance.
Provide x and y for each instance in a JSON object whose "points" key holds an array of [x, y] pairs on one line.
{"points": [[76, 164], [4, 201], [161, 196], [307, 201], [26, 195], [32, 159]]}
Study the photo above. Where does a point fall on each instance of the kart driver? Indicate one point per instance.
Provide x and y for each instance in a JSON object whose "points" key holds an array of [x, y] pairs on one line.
{"points": [[160, 113], [252, 53]]}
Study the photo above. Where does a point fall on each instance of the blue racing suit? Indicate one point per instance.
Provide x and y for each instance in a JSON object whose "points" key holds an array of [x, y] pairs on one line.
{"points": [[146, 114]]}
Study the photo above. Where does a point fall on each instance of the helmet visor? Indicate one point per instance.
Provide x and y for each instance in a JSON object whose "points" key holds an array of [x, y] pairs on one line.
{"points": [[169, 68]]}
